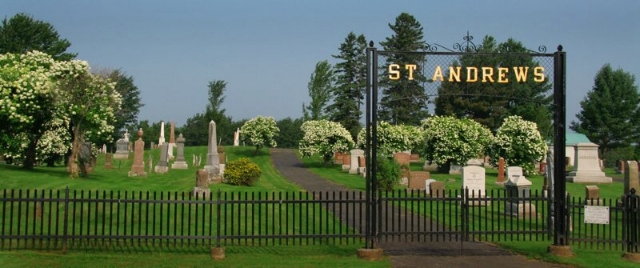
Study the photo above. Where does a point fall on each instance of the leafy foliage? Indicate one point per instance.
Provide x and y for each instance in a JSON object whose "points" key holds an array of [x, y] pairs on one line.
{"points": [[404, 101], [450, 140], [490, 103], [520, 143], [324, 137], [196, 129], [260, 132], [21, 34], [349, 90], [319, 90], [610, 114], [290, 132], [394, 138], [242, 172], [388, 171]]}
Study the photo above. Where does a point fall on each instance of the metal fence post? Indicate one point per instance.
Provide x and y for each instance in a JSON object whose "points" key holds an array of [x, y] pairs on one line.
{"points": [[65, 224], [631, 221]]}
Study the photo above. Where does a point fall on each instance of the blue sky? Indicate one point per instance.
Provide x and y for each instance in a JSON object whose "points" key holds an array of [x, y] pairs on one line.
{"points": [[267, 50]]}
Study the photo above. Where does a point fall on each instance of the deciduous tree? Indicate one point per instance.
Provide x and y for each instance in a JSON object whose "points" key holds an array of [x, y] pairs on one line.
{"points": [[319, 87], [260, 132]]}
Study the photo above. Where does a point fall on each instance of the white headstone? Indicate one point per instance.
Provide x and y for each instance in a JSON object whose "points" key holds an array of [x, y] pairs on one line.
{"points": [[427, 185], [515, 176], [355, 154], [587, 165], [473, 179]]}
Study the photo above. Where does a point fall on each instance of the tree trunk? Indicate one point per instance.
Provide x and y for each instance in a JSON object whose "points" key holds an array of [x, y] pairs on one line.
{"points": [[75, 150], [30, 155]]}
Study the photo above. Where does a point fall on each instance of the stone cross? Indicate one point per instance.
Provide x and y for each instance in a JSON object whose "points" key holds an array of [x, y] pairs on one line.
{"points": [[180, 163], [138, 158]]}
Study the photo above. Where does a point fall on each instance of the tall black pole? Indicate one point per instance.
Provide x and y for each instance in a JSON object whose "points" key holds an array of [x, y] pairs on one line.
{"points": [[369, 236], [374, 146], [560, 230]]}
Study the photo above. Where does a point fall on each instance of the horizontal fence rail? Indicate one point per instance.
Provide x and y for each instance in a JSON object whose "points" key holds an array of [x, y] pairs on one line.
{"points": [[61, 219]]}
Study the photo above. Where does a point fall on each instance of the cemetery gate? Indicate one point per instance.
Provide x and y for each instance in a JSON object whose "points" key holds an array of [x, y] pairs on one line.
{"points": [[468, 73]]}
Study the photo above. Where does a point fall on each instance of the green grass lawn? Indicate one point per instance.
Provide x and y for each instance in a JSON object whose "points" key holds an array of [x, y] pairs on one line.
{"points": [[176, 181]]}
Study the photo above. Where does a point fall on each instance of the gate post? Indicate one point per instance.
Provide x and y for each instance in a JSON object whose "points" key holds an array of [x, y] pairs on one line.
{"points": [[631, 225], [370, 252], [560, 245]]}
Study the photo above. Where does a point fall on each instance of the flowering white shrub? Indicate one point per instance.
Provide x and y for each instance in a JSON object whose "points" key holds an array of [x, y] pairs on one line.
{"points": [[324, 137], [520, 144], [394, 138], [41, 97], [449, 140], [260, 131]]}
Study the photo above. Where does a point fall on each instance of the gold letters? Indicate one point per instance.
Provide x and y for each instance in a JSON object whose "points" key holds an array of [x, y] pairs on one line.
{"points": [[488, 74]]}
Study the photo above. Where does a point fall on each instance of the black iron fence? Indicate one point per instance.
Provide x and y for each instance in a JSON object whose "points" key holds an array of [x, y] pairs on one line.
{"points": [[68, 219]]}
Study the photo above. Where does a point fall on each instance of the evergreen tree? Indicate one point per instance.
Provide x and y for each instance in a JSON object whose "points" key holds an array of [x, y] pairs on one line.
{"points": [[404, 100], [610, 113], [349, 89], [490, 103], [196, 130], [21, 34], [319, 90]]}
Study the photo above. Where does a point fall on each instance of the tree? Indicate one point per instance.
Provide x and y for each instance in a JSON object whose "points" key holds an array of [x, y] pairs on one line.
{"points": [[349, 90], [89, 102], [324, 137], [319, 90], [21, 34], [260, 132], [290, 132], [404, 100], [450, 140], [610, 113], [196, 129], [127, 115], [519, 142], [28, 94], [490, 103]]}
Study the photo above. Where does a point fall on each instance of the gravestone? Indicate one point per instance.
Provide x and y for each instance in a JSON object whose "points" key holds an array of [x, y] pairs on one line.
{"points": [[473, 181], [631, 177], [500, 180], [107, 161], [427, 186], [587, 165], [337, 158], [104, 149], [355, 154], [161, 138], [122, 147], [236, 137], [455, 169], [428, 166], [163, 165], [172, 140], [362, 165], [150, 164], [518, 191], [592, 195], [202, 184], [86, 157], [346, 162], [418, 179], [213, 159], [403, 159], [137, 169], [414, 158], [180, 163], [437, 189], [152, 145]]}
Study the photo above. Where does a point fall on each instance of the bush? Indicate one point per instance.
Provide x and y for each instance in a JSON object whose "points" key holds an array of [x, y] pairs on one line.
{"points": [[242, 172], [388, 173]]}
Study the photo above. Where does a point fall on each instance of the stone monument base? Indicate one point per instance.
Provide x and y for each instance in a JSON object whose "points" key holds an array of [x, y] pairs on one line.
{"points": [[137, 174], [179, 165], [524, 210], [121, 155], [588, 177], [161, 169], [201, 192]]}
